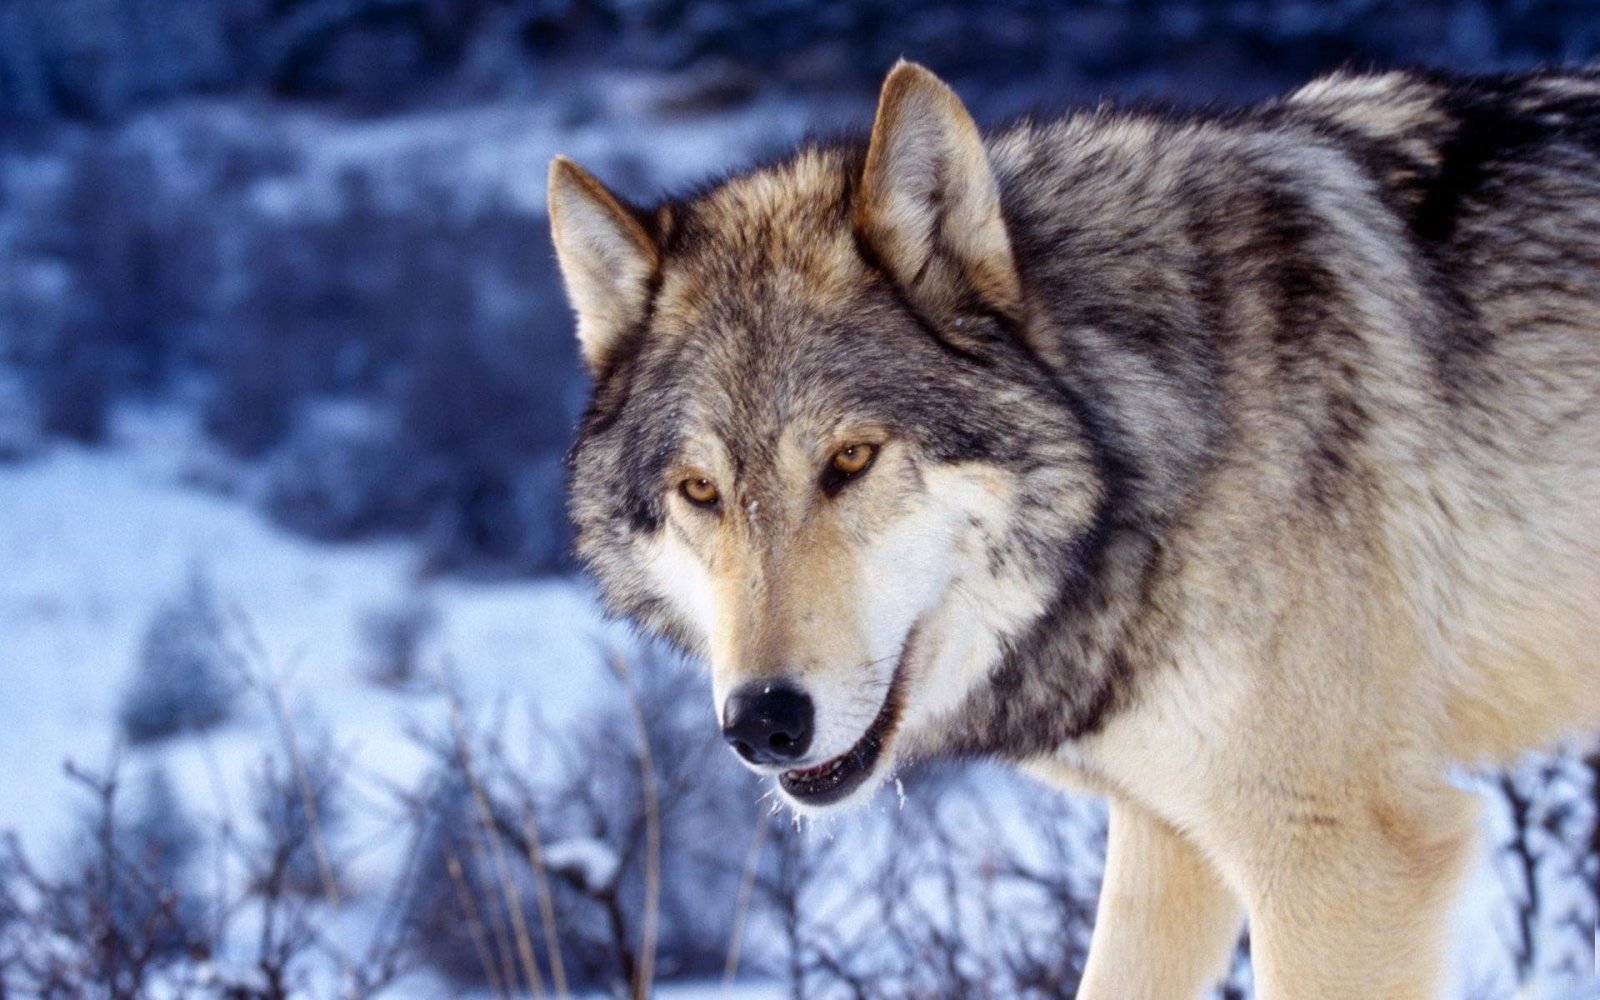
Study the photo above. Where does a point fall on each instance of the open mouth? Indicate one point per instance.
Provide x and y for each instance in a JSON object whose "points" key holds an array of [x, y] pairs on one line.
{"points": [[835, 779]]}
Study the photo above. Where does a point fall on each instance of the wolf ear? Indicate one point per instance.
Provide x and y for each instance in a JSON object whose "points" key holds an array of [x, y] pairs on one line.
{"points": [[928, 204], [607, 259]]}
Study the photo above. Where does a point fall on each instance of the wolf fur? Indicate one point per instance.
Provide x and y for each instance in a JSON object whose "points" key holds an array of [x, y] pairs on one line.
{"points": [[1241, 467]]}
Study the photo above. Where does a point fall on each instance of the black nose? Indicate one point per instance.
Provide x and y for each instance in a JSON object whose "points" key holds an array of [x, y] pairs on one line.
{"points": [[768, 722]]}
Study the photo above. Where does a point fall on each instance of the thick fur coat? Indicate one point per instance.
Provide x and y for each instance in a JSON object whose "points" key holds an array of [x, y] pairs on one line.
{"points": [[1242, 467]]}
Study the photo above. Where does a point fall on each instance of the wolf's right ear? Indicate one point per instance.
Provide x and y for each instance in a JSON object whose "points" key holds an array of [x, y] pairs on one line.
{"points": [[607, 258], [928, 204]]}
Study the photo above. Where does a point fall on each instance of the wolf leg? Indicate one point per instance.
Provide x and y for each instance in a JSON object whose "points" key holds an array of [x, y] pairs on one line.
{"points": [[1166, 923], [1357, 906]]}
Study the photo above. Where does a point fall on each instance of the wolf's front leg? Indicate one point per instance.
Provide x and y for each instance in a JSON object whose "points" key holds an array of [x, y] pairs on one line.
{"points": [[1166, 923], [1355, 904]]}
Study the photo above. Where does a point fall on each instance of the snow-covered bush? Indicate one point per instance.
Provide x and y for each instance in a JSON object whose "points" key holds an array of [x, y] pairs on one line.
{"points": [[98, 58], [128, 269], [142, 256], [21, 423], [592, 819], [501, 519], [252, 401], [708, 807], [299, 810], [119, 915], [394, 637], [341, 475], [77, 397], [1545, 811], [186, 678], [489, 389], [458, 892], [442, 329], [112, 55], [151, 898]]}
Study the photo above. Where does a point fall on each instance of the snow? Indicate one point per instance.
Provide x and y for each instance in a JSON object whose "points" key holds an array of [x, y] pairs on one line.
{"points": [[497, 152], [741, 990], [93, 541], [592, 863]]}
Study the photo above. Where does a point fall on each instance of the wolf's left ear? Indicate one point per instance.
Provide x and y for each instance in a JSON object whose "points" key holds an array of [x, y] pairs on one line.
{"points": [[607, 258], [928, 204]]}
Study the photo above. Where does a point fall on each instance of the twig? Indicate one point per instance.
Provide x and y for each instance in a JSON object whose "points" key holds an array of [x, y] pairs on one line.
{"points": [[469, 909], [273, 694], [508, 892], [758, 841], [547, 910], [645, 969]]}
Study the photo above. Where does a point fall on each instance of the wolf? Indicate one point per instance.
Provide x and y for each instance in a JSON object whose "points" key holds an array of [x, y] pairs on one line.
{"points": [[1240, 466]]}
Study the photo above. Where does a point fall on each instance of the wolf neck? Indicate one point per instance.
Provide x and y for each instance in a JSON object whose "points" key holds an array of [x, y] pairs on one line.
{"points": [[1161, 297], [1070, 671]]}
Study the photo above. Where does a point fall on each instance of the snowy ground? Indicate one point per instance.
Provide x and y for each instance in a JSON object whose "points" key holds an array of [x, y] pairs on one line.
{"points": [[94, 541]]}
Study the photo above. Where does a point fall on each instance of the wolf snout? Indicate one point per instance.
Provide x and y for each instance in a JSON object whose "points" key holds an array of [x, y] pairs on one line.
{"points": [[768, 722]]}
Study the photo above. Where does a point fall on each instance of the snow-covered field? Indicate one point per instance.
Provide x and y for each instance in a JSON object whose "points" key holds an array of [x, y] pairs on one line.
{"points": [[93, 541]]}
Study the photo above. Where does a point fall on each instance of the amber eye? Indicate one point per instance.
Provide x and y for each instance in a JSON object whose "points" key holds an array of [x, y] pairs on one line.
{"points": [[846, 465], [854, 459], [699, 491]]}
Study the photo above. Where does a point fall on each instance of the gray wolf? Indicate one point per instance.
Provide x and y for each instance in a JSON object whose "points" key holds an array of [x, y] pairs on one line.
{"points": [[1243, 467]]}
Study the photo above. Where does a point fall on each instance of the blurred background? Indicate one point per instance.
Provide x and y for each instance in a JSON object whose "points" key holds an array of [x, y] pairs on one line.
{"points": [[299, 695]]}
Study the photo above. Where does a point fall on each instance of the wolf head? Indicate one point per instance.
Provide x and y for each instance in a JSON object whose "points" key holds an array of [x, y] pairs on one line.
{"points": [[821, 451]]}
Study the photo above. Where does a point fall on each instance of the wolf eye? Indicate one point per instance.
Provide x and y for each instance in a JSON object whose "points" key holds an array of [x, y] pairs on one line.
{"points": [[699, 491], [854, 459], [846, 464]]}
